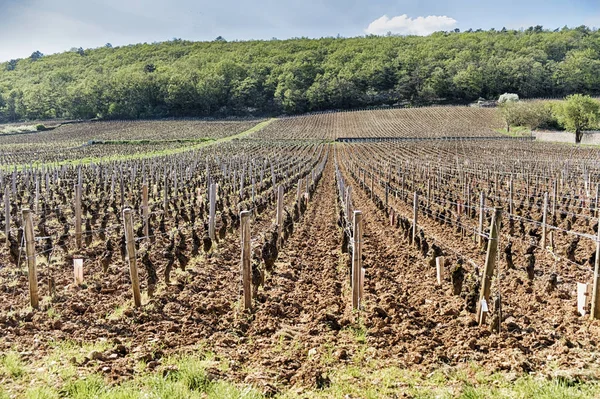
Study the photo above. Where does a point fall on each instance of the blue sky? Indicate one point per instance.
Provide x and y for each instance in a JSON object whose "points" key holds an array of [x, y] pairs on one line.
{"points": [[57, 25]]}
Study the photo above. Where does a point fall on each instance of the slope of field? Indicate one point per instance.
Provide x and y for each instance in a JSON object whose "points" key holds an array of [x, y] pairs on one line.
{"points": [[406, 122], [71, 142]]}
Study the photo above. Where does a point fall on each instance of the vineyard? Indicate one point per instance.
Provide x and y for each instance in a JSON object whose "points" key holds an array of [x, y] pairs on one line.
{"points": [[299, 263]]}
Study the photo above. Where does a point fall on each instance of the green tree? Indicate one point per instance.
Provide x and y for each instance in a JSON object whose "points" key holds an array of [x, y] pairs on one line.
{"points": [[577, 114]]}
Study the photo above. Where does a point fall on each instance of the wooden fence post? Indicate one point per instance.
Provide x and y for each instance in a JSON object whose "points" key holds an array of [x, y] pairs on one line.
{"points": [[78, 233], [31, 261], [356, 258], [490, 264], [133, 271], [415, 216], [246, 267]]}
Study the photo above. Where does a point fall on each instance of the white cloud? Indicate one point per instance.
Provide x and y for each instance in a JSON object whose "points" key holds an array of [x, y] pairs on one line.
{"points": [[403, 25]]}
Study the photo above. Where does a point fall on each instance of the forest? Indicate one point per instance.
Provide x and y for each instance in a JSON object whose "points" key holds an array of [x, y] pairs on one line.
{"points": [[180, 78]]}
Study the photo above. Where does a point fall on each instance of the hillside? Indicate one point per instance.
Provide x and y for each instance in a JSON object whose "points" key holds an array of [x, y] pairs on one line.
{"points": [[409, 122], [182, 78]]}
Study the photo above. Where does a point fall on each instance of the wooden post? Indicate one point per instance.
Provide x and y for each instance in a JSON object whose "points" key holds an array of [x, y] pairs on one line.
{"points": [[595, 313], [133, 271], [246, 267], [7, 212], [597, 200], [348, 200], [386, 194], [145, 209], [490, 264], [37, 195], [78, 233], [356, 258], [481, 216], [279, 219], [415, 216], [30, 253], [510, 198], [544, 220], [122, 189], [212, 198], [439, 268], [554, 204]]}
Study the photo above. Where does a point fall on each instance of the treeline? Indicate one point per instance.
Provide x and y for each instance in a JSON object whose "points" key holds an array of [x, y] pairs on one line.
{"points": [[181, 78]]}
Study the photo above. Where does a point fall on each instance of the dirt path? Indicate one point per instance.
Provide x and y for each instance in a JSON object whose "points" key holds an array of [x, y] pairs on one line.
{"points": [[303, 308]]}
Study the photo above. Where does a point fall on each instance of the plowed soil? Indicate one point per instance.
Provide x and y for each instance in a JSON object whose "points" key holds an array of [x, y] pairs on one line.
{"points": [[302, 324]]}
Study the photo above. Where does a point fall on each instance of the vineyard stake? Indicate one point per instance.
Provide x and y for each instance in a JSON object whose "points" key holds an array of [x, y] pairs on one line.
{"points": [[356, 258], [481, 214], [544, 219], [348, 200], [415, 216], [439, 269], [387, 190], [37, 195], [122, 188], [133, 270], [597, 199], [246, 268], [556, 198], [490, 263], [279, 219], [7, 212], [145, 209], [78, 233], [166, 196], [428, 192], [212, 198], [595, 313], [30, 252], [510, 198]]}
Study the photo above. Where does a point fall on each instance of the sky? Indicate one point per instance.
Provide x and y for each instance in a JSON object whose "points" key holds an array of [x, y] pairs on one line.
{"points": [[52, 26]]}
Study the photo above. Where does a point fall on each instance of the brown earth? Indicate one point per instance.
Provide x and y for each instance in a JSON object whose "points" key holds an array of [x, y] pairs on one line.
{"points": [[303, 326]]}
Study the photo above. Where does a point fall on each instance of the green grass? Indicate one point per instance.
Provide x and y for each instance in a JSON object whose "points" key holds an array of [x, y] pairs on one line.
{"points": [[355, 382], [190, 376], [196, 375], [515, 131], [11, 129], [12, 366]]}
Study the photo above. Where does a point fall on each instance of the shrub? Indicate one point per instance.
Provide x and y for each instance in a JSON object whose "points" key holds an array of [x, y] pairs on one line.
{"points": [[508, 98]]}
